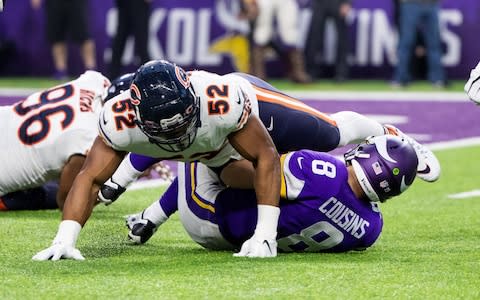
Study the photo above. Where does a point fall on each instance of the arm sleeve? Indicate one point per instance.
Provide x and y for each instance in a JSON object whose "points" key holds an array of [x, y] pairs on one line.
{"points": [[140, 162]]}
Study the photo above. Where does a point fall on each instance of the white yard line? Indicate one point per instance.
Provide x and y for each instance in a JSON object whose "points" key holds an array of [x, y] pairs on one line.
{"points": [[461, 143], [17, 92], [326, 95], [380, 96], [464, 195]]}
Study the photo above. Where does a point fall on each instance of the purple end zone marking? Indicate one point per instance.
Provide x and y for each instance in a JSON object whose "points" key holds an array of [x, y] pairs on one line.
{"points": [[8, 100], [443, 121]]}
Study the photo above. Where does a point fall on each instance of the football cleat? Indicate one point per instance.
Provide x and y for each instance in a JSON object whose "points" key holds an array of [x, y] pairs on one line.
{"points": [[141, 230], [428, 168]]}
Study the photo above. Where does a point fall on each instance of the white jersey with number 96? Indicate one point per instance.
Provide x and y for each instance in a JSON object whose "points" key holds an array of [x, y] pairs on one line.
{"points": [[40, 133]]}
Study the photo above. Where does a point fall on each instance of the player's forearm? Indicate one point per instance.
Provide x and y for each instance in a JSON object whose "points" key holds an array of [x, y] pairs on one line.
{"points": [[267, 187], [79, 203], [267, 178]]}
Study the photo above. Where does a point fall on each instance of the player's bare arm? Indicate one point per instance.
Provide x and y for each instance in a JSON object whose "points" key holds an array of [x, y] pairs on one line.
{"points": [[100, 164], [69, 172], [254, 143]]}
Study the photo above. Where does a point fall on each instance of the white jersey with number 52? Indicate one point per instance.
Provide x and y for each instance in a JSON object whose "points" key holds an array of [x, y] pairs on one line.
{"points": [[40, 133], [226, 103]]}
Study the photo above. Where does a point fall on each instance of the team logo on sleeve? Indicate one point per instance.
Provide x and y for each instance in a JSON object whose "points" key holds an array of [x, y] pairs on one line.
{"points": [[136, 97]]}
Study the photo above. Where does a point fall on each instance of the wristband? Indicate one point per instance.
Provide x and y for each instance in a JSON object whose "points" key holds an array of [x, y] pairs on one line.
{"points": [[68, 232], [267, 222]]}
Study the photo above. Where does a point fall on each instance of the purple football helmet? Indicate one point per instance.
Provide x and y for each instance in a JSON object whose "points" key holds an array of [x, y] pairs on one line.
{"points": [[385, 166]]}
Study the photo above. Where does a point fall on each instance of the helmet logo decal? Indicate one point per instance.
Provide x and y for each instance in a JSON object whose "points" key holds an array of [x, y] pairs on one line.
{"points": [[189, 110], [136, 96], [381, 145], [182, 77]]}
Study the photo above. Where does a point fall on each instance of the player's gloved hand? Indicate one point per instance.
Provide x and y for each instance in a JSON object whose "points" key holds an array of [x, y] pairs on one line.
{"points": [[57, 251], [109, 192], [63, 245], [258, 247], [263, 242], [472, 87]]}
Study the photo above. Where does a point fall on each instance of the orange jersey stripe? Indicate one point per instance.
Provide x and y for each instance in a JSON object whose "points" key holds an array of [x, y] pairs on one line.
{"points": [[2, 205], [286, 101]]}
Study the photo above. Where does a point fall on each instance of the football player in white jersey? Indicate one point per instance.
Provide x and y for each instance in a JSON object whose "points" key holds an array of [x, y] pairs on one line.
{"points": [[202, 117], [46, 137], [168, 115]]}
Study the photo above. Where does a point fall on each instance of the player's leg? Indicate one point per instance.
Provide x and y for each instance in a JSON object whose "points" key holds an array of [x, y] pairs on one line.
{"points": [[409, 16], [288, 31], [294, 125], [56, 20], [354, 128], [43, 197], [261, 36], [119, 41], [79, 29], [431, 34], [193, 194]]}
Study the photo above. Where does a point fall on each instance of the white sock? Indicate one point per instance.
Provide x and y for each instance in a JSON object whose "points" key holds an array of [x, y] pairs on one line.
{"points": [[355, 128], [125, 173], [155, 213]]}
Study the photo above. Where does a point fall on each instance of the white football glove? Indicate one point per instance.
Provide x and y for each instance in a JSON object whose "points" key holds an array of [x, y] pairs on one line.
{"points": [[256, 247], [63, 245], [109, 192], [57, 251], [472, 87], [262, 243]]}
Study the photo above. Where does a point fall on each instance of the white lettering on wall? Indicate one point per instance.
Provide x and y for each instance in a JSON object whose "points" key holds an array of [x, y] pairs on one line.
{"points": [[451, 17], [188, 37], [180, 36], [203, 56], [384, 39]]}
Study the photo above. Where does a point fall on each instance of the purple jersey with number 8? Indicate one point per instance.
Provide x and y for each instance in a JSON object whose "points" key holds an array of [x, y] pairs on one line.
{"points": [[319, 211]]}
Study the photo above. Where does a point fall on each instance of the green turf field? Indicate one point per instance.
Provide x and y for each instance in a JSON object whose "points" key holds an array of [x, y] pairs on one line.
{"points": [[353, 85], [429, 249]]}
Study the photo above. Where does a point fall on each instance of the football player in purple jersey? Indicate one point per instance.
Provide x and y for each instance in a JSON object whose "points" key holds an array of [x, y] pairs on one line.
{"points": [[327, 204], [170, 115]]}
